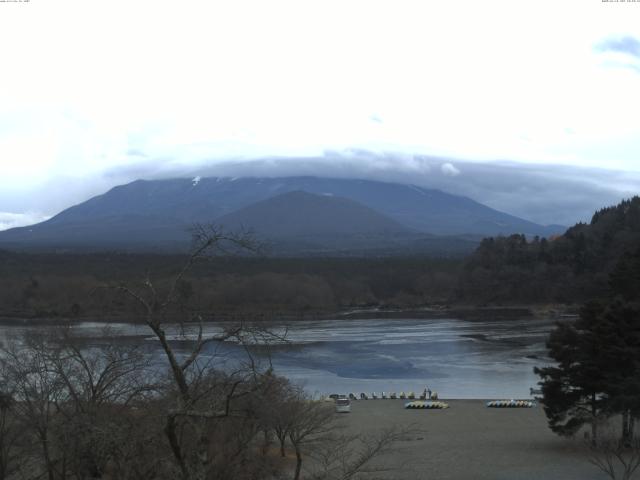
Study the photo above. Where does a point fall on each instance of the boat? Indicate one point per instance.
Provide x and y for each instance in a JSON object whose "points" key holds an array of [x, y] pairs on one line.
{"points": [[511, 404], [427, 405]]}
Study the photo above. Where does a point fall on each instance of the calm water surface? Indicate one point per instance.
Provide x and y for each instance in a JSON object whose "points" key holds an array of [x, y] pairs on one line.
{"points": [[456, 358]]}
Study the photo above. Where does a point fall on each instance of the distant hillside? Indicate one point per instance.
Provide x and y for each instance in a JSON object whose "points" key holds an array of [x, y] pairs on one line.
{"points": [[155, 215], [302, 214], [304, 223], [572, 267], [127, 232]]}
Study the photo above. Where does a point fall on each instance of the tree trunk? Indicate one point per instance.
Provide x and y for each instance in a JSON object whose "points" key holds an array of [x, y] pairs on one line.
{"points": [[170, 432], [267, 441], [203, 454], [47, 456], [296, 476], [178, 374], [625, 428], [282, 453], [594, 421]]}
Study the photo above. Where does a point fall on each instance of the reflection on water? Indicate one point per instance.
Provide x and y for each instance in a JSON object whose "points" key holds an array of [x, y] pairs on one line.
{"points": [[456, 358]]}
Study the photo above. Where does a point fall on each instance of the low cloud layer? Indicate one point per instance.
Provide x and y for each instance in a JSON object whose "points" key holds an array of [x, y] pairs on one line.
{"points": [[546, 194], [559, 99], [10, 220], [449, 170]]}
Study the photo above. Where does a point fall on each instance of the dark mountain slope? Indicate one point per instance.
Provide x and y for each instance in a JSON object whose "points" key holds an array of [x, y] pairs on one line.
{"points": [[426, 210], [156, 214], [302, 214], [423, 209], [127, 232]]}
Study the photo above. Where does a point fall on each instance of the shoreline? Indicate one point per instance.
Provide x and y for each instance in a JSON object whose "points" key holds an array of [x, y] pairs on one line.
{"points": [[462, 312]]}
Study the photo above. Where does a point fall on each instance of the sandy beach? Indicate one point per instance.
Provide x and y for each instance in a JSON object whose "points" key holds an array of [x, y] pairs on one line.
{"points": [[470, 441]]}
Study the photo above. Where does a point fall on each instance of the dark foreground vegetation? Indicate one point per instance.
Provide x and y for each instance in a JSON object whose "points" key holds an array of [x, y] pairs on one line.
{"points": [[70, 411]]}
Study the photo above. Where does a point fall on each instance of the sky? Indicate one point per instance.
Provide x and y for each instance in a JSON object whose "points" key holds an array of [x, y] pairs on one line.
{"points": [[96, 93]]}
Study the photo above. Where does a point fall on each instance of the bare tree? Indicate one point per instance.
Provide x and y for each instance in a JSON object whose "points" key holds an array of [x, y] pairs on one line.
{"points": [[278, 402], [11, 458], [200, 394], [346, 457], [618, 458], [310, 421], [37, 392], [73, 400], [101, 384], [313, 430]]}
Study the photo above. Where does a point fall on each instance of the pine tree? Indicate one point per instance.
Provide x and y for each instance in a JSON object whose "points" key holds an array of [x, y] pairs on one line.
{"points": [[574, 391], [598, 367], [624, 280], [620, 335]]}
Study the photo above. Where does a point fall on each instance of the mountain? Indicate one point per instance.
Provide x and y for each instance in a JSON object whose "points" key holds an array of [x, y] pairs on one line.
{"points": [[302, 214], [157, 214], [305, 223]]}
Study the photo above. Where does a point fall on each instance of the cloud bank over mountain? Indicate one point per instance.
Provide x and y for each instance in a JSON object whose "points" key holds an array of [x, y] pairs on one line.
{"points": [[545, 194], [10, 220], [438, 89]]}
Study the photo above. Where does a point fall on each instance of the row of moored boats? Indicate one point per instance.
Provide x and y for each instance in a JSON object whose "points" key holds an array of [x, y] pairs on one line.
{"points": [[391, 396]]}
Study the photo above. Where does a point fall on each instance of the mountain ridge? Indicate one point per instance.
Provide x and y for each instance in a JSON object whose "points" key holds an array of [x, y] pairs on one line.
{"points": [[301, 214], [157, 213]]}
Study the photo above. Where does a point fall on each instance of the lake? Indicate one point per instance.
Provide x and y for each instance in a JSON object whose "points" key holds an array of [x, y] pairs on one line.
{"points": [[456, 358]]}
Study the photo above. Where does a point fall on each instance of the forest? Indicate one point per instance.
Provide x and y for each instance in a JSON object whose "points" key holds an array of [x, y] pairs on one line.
{"points": [[68, 285], [513, 270], [570, 268]]}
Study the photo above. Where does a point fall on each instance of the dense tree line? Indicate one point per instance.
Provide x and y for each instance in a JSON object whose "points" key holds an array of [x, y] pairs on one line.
{"points": [[65, 285], [570, 268]]}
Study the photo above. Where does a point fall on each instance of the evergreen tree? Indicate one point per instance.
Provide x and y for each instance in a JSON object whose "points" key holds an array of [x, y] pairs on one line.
{"points": [[574, 391], [620, 335], [625, 277], [598, 359]]}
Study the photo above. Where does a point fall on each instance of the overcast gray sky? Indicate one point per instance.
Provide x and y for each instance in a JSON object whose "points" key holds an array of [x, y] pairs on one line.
{"points": [[96, 93]]}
